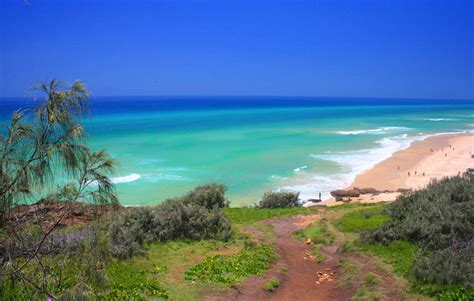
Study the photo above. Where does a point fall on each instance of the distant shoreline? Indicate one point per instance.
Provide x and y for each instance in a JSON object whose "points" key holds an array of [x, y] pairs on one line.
{"points": [[413, 168]]}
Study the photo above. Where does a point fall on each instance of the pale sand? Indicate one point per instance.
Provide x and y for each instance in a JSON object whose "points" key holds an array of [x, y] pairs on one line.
{"points": [[433, 158]]}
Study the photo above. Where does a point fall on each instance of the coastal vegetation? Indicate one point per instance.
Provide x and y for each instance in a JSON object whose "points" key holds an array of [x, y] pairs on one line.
{"points": [[280, 199], [43, 156], [196, 215], [424, 237], [60, 249], [76, 242], [249, 215], [252, 260], [439, 221]]}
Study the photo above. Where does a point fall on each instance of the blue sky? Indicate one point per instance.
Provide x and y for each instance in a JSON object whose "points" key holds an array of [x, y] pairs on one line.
{"points": [[372, 48]]}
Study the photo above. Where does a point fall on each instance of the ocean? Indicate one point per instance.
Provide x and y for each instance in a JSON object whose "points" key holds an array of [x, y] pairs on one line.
{"points": [[165, 146]]}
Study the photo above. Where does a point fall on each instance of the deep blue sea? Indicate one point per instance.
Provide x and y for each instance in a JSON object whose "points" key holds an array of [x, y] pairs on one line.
{"points": [[165, 146]]}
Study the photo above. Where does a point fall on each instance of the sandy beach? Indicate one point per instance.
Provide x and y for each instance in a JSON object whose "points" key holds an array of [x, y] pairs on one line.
{"points": [[413, 168]]}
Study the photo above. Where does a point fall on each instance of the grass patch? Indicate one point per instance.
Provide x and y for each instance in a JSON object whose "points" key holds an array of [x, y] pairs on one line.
{"points": [[370, 289], [283, 270], [344, 207], [399, 254], [361, 220], [351, 269], [319, 234], [129, 283], [165, 264], [348, 246], [252, 215], [271, 284], [320, 257], [234, 268]]}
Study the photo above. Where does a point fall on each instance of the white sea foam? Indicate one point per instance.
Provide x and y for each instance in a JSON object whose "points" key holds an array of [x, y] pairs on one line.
{"points": [[300, 168], [440, 119], [118, 180], [155, 178], [126, 179], [377, 131], [351, 163]]}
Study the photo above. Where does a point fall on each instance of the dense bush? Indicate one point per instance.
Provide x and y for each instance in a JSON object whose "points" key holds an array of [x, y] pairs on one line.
{"points": [[453, 265], [440, 219], [208, 196], [195, 216], [56, 242], [280, 199]]}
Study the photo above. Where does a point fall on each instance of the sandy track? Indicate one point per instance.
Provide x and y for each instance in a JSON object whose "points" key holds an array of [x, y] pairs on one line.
{"points": [[299, 282]]}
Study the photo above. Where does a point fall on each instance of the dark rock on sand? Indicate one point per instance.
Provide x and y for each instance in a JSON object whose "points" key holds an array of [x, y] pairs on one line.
{"points": [[367, 190], [350, 193]]}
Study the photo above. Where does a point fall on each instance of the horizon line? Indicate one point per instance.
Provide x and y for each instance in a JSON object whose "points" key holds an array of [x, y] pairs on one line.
{"points": [[261, 96]]}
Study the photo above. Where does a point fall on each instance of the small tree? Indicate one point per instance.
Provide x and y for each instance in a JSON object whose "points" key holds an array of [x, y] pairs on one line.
{"points": [[208, 195], [280, 199], [42, 149]]}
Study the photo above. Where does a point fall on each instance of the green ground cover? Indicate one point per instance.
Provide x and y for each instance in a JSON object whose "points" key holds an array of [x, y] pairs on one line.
{"points": [[360, 220], [232, 269], [252, 215]]}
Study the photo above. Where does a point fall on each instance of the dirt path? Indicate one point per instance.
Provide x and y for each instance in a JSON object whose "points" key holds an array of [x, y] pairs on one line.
{"points": [[298, 282]]}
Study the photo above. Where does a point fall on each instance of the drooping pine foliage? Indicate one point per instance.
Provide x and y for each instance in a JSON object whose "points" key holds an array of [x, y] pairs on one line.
{"points": [[43, 156], [40, 146], [197, 215], [440, 219]]}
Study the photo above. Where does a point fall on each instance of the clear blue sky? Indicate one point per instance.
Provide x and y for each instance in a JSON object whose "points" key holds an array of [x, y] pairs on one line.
{"points": [[420, 49]]}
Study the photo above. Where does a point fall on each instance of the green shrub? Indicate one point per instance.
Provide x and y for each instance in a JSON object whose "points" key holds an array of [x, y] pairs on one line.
{"points": [[127, 234], [280, 199], [453, 265], [208, 196], [173, 219], [253, 260], [434, 217], [457, 294], [439, 219]]}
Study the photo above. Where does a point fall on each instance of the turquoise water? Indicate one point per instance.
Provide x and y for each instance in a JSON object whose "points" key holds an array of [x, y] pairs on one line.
{"points": [[164, 150]]}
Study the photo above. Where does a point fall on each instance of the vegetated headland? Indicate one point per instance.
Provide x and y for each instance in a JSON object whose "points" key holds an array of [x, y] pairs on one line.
{"points": [[403, 231]]}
